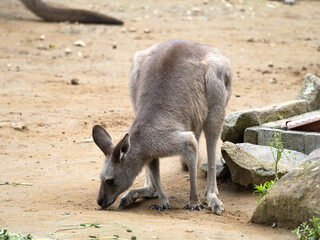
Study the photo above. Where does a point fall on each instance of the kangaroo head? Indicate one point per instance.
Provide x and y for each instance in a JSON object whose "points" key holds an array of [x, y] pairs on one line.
{"points": [[115, 176]]}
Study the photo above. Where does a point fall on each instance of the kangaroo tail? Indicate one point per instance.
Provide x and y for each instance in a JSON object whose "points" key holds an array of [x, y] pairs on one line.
{"points": [[55, 14]]}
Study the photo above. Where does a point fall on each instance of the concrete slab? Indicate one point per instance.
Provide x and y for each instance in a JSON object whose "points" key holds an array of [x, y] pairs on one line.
{"points": [[300, 141]]}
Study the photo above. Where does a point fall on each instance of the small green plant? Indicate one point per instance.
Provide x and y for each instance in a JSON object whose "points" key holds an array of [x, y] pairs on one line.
{"points": [[263, 189], [4, 235], [309, 232], [277, 150], [94, 225], [15, 184]]}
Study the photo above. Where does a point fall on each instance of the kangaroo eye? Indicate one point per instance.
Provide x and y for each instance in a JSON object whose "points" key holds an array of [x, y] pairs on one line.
{"points": [[109, 181]]}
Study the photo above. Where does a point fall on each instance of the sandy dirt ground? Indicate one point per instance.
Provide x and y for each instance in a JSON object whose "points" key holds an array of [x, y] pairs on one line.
{"points": [[271, 47]]}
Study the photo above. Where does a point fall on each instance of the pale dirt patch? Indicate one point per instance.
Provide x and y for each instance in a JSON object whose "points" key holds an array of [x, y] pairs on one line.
{"points": [[263, 39]]}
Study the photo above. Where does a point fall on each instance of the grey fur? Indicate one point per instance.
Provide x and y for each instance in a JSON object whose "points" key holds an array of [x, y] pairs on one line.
{"points": [[178, 89]]}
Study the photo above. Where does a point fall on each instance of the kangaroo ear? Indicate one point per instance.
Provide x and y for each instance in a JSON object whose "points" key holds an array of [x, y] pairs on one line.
{"points": [[102, 139], [121, 149], [124, 146]]}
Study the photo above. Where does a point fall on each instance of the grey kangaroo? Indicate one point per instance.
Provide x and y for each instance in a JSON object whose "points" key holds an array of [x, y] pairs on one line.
{"points": [[178, 88], [55, 14]]}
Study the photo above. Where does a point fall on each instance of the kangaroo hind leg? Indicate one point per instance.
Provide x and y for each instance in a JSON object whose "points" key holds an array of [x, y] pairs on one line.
{"points": [[212, 131], [189, 155]]}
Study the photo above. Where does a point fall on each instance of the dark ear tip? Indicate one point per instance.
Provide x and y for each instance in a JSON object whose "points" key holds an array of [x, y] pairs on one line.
{"points": [[99, 129], [95, 129]]}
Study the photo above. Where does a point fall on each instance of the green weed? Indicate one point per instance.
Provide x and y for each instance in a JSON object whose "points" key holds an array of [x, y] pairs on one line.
{"points": [[263, 189], [309, 231], [277, 150], [4, 235], [15, 184]]}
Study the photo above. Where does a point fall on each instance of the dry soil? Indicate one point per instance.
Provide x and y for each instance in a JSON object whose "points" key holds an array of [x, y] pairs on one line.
{"points": [[45, 121]]}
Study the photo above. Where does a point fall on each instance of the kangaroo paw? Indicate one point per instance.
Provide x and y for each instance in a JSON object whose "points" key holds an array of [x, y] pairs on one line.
{"points": [[215, 205], [128, 199], [160, 207], [194, 206]]}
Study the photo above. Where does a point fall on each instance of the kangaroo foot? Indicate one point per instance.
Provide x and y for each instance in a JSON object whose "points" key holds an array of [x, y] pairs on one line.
{"points": [[160, 207], [194, 206], [215, 205]]}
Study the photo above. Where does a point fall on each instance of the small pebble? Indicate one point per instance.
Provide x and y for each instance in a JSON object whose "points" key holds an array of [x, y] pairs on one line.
{"points": [[41, 47], [146, 30], [273, 81], [274, 225], [75, 81], [128, 230], [67, 51], [114, 45], [42, 37], [79, 43], [196, 9], [133, 237]]}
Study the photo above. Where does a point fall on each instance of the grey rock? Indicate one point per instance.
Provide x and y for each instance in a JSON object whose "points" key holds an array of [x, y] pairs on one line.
{"points": [[236, 123], [291, 108], [310, 91], [291, 158], [294, 198], [290, 2], [246, 169], [221, 168]]}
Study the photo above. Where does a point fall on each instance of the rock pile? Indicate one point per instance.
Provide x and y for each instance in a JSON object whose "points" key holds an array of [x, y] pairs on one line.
{"points": [[296, 196]]}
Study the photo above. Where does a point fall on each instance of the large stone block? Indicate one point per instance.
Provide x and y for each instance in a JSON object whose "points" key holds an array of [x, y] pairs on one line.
{"points": [[236, 123], [311, 142], [295, 198], [291, 108], [290, 158], [300, 141], [246, 169], [310, 91]]}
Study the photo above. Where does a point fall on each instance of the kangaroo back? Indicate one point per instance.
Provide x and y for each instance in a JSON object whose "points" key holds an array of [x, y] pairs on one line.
{"points": [[174, 83]]}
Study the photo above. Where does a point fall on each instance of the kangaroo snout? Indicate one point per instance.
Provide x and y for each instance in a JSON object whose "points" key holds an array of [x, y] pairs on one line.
{"points": [[100, 202], [104, 204]]}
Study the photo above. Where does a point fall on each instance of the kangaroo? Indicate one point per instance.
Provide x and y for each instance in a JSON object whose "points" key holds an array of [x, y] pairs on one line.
{"points": [[178, 88], [55, 14]]}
